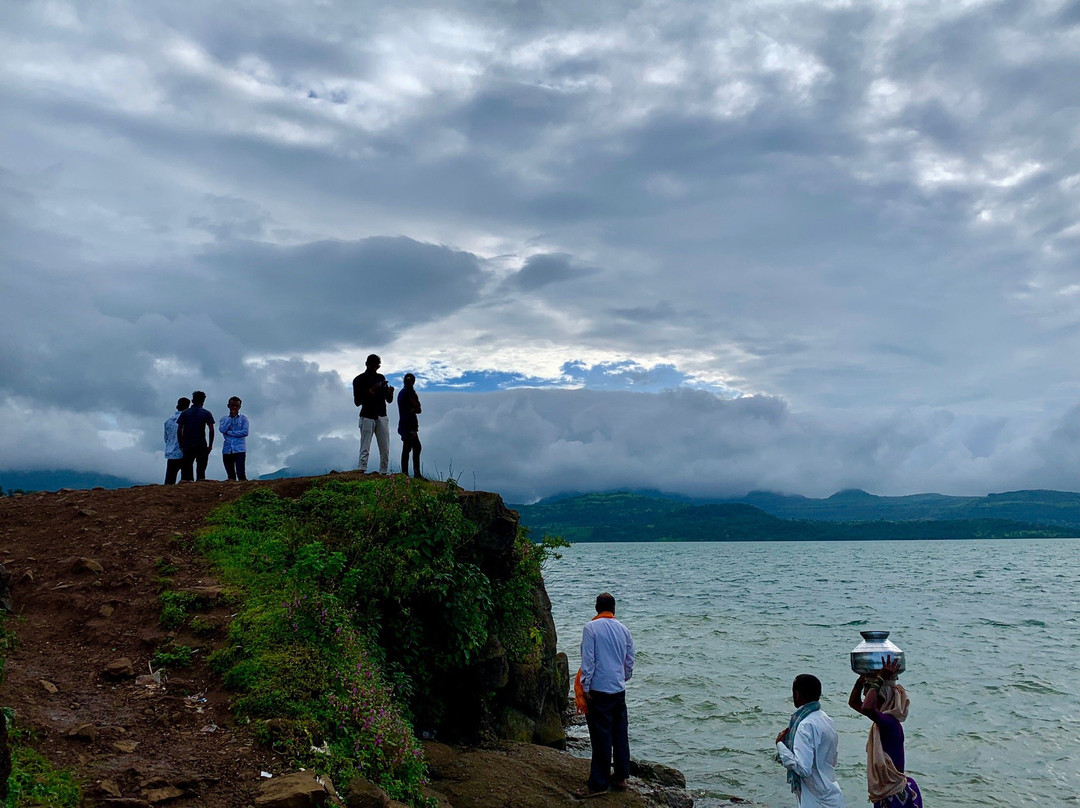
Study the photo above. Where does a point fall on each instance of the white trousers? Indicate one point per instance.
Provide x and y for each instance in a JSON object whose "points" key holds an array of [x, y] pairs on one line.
{"points": [[381, 428]]}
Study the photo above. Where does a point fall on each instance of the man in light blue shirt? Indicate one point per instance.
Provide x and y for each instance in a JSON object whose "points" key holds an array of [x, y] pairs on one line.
{"points": [[174, 455], [234, 430], [607, 661]]}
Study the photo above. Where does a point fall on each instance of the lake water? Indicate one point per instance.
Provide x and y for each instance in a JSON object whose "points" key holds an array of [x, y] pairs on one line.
{"points": [[991, 630]]}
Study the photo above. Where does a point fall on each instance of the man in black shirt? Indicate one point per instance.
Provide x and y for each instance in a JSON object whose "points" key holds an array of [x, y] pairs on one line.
{"points": [[371, 394], [191, 429]]}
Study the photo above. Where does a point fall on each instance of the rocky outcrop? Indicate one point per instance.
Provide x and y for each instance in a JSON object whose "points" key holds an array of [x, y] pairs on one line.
{"points": [[299, 790], [530, 696], [530, 776]]}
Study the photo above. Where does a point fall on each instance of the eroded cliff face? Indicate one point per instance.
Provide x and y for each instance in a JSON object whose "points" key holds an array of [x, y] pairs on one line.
{"points": [[521, 700]]}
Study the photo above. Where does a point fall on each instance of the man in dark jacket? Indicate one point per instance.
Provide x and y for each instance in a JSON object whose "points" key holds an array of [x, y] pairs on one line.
{"points": [[191, 428], [371, 394]]}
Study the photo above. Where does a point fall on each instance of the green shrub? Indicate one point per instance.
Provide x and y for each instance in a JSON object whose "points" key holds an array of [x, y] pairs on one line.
{"points": [[177, 656], [175, 607]]}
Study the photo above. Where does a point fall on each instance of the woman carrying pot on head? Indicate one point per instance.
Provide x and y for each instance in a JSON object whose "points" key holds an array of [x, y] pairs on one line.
{"points": [[882, 699]]}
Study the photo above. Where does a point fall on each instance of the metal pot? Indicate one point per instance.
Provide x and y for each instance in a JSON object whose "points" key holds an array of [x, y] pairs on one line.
{"points": [[868, 656]]}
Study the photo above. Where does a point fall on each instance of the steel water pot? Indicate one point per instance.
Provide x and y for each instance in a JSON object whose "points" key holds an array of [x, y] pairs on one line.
{"points": [[868, 656]]}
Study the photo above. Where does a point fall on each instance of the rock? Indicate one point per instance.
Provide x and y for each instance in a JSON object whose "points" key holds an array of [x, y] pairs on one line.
{"points": [[126, 747], [441, 800], [360, 793], [84, 732], [657, 773], [514, 725], [299, 790], [106, 610], [109, 788], [156, 796], [119, 669], [48, 687], [548, 729], [562, 670], [669, 797], [88, 565], [87, 512]]}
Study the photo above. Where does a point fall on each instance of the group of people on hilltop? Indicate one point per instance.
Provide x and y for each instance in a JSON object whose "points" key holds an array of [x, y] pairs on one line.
{"points": [[189, 432], [371, 393], [807, 747], [189, 439]]}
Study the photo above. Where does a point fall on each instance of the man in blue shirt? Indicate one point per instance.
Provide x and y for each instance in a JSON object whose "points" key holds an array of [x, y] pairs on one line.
{"points": [[174, 455], [234, 431], [607, 661], [191, 429]]}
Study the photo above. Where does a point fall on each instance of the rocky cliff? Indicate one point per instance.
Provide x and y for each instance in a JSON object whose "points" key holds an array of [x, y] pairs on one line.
{"points": [[87, 571]]}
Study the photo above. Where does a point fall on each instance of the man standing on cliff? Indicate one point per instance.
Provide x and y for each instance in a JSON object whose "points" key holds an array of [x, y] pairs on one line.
{"points": [[607, 661], [371, 394], [807, 748], [191, 429]]}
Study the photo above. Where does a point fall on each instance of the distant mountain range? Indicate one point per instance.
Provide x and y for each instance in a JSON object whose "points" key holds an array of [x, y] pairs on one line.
{"points": [[847, 515], [56, 479]]}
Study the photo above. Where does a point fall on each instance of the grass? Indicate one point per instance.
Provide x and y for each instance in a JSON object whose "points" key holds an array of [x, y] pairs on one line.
{"points": [[36, 782], [177, 656]]}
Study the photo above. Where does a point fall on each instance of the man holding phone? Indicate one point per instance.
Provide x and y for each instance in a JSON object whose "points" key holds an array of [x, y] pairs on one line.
{"points": [[371, 394]]}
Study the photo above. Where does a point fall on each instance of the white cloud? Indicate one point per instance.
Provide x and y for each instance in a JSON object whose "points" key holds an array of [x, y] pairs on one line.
{"points": [[865, 211]]}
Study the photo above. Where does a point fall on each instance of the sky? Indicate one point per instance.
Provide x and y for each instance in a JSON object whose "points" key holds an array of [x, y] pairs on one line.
{"points": [[703, 248]]}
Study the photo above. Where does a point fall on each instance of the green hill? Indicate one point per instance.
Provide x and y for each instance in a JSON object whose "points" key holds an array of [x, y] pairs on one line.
{"points": [[633, 517]]}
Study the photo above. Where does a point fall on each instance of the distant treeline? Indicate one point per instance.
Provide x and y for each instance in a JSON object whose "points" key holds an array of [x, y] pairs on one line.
{"points": [[633, 517]]}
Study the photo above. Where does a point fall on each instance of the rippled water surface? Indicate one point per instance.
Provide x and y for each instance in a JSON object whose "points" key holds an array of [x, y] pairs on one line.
{"points": [[991, 631]]}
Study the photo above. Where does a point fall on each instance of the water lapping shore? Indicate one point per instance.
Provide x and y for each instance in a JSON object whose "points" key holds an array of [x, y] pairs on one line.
{"points": [[991, 629]]}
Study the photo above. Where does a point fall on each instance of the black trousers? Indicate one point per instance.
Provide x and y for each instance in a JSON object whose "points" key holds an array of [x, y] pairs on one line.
{"points": [[608, 732], [235, 465], [194, 464], [172, 468]]}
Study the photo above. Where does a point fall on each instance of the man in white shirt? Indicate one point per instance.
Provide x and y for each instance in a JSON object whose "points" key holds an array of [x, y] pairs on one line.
{"points": [[607, 661], [807, 748]]}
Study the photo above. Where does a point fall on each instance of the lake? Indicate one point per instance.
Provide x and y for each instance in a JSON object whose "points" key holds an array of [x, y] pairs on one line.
{"points": [[991, 630]]}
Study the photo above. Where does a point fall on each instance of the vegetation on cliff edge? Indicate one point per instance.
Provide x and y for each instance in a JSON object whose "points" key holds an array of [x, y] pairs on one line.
{"points": [[356, 600]]}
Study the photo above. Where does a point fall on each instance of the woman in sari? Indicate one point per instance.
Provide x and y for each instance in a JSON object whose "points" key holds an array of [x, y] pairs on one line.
{"points": [[882, 700]]}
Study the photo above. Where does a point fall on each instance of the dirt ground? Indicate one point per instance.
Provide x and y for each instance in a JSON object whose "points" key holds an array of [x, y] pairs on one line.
{"points": [[86, 578]]}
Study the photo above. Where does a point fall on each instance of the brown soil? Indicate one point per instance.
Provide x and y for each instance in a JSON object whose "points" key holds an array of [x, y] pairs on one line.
{"points": [[172, 742], [72, 622]]}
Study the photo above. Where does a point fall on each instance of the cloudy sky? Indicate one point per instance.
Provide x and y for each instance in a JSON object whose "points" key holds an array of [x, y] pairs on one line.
{"points": [[703, 247]]}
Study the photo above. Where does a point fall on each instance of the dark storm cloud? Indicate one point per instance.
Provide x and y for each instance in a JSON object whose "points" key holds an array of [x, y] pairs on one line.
{"points": [[313, 296], [544, 269]]}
